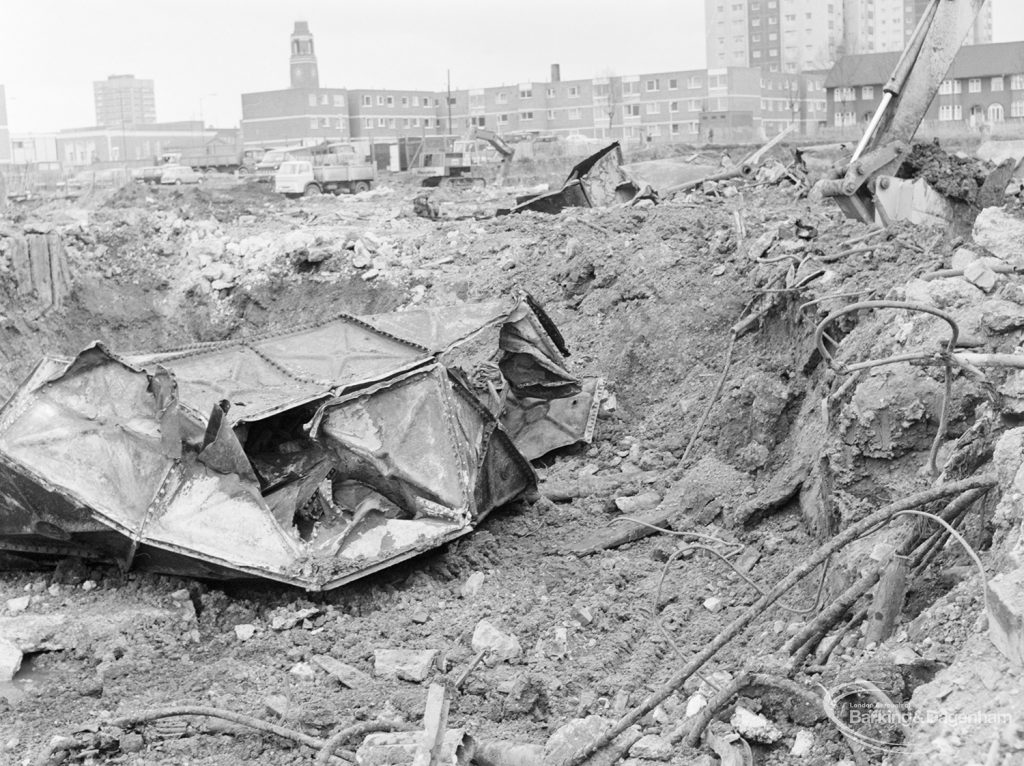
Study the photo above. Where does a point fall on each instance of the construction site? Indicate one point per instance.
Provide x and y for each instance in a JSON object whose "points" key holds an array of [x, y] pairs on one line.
{"points": [[711, 456]]}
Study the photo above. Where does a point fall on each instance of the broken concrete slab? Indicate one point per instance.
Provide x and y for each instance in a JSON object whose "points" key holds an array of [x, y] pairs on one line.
{"points": [[405, 664], [1006, 614], [10, 660], [1002, 316], [348, 675], [1001, 233], [754, 726], [498, 644]]}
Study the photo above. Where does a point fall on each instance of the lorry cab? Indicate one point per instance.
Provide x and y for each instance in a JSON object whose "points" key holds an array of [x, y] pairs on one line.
{"points": [[292, 177]]}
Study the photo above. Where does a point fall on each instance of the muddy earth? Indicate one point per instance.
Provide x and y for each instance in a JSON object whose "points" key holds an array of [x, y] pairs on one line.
{"points": [[748, 472]]}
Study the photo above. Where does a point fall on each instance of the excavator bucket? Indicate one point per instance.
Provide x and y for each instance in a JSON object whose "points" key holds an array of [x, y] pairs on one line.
{"points": [[311, 457]]}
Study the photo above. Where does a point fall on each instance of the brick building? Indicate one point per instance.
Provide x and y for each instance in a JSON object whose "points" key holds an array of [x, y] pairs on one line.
{"points": [[726, 103], [985, 85]]}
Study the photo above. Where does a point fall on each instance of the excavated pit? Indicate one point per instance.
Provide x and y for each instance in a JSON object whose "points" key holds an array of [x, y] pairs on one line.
{"points": [[646, 298]]}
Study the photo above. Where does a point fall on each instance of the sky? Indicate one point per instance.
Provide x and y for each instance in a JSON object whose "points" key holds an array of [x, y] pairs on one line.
{"points": [[203, 54]]}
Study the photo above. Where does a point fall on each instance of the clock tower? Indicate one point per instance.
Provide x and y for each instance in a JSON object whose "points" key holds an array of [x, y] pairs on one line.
{"points": [[303, 60]]}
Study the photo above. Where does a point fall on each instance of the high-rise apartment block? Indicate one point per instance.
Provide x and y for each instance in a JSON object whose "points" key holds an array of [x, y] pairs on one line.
{"points": [[876, 26], [797, 35], [775, 35], [122, 99]]}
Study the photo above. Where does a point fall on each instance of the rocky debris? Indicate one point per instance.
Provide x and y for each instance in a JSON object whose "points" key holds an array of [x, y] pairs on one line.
{"points": [[10, 659], [348, 675], [472, 586], [18, 605], [802, 744], [1006, 614], [405, 664], [754, 726], [245, 631], [497, 644], [1001, 233], [652, 748]]}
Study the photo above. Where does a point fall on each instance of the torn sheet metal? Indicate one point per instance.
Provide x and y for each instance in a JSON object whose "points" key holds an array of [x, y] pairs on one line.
{"points": [[537, 426], [311, 457], [597, 181]]}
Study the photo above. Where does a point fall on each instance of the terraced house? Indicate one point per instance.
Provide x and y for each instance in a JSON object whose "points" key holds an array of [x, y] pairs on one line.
{"points": [[985, 86]]}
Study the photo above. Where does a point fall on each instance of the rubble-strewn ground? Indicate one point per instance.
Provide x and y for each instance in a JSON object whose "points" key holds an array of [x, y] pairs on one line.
{"points": [[646, 297]]}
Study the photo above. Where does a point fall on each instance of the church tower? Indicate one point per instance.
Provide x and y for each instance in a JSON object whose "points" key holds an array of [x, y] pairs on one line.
{"points": [[303, 60]]}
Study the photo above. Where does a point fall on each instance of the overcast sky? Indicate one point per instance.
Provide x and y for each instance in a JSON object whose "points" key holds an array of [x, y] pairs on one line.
{"points": [[202, 54]]}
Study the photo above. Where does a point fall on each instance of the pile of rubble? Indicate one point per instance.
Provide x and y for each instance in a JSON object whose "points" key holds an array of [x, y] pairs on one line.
{"points": [[713, 552]]}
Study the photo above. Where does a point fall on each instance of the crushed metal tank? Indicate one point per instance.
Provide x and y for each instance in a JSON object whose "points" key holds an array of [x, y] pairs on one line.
{"points": [[311, 457]]}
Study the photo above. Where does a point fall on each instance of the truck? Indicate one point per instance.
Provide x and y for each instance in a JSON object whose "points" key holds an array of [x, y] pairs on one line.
{"points": [[333, 168], [269, 163]]}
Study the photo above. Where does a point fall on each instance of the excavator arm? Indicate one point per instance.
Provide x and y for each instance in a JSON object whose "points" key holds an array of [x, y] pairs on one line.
{"points": [[906, 98], [500, 145]]}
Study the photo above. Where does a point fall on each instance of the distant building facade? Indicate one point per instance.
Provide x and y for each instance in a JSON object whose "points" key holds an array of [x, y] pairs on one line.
{"points": [[732, 102], [985, 85], [875, 26], [775, 35], [124, 100], [5, 133]]}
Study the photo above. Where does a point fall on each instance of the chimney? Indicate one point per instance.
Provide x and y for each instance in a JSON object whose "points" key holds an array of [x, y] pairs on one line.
{"points": [[556, 73]]}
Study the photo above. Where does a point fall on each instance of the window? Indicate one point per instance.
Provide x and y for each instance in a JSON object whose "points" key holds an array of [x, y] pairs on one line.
{"points": [[675, 127], [974, 85], [407, 123], [312, 123], [325, 122], [501, 98], [755, 38], [631, 88], [997, 84], [654, 108], [367, 100], [773, 36], [1017, 109], [574, 91], [601, 90], [503, 118], [324, 99], [695, 82], [694, 105], [526, 115], [391, 122], [673, 106], [381, 122], [574, 113], [867, 92], [367, 122], [756, 54], [950, 87], [339, 100], [415, 122], [949, 112], [416, 100], [551, 92], [312, 99], [652, 85], [391, 100], [452, 100], [755, 22], [673, 84], [478, 121], [654, 130], [845, 94], [631, 110], [525, 92], [380, 100]]}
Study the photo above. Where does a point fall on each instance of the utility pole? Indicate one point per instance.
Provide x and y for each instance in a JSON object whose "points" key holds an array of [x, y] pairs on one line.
{"points": [[449, 99]]}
